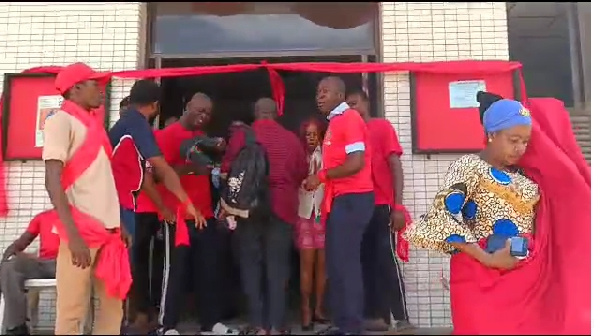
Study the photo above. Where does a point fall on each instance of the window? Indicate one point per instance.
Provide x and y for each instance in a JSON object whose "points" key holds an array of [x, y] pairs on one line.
{"points": [[552, 42], [192, 28]]}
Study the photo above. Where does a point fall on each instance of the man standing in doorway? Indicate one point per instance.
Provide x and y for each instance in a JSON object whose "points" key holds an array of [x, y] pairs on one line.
{"points": [[81, 186], [191, 249], [134, 144], [382, 275], [268, 240], [348, 203]]}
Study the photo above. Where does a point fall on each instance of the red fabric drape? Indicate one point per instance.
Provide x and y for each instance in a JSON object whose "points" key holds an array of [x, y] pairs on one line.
{"points": [[277, 85]]}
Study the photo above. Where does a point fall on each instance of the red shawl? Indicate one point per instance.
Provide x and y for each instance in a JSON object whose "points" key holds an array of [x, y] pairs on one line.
{"points": [[112, 265], [549, 293]]}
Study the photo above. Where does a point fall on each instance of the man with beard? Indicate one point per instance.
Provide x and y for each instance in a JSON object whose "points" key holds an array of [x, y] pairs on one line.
{"points": [[192, 249], [133, 144]]}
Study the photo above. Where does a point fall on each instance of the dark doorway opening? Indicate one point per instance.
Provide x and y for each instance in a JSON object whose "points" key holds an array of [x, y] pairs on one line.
{"points": [[233, 94]]}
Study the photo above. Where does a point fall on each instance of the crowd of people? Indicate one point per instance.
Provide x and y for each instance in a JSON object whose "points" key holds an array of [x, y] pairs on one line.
{"points": [[333, 191]]}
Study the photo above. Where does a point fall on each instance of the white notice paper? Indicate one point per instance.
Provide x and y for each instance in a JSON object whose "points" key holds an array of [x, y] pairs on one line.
{"points": [[47, 105], [463, 94]]}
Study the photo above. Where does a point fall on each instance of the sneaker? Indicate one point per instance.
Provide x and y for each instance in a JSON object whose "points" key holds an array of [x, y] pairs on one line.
{"points": [[403, 325], [20, 330], [168, 332], [376, 325], [253, 331], [220, 329]]}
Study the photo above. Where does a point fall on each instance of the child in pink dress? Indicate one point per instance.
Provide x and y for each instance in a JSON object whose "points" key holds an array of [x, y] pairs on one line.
{"points": [[310, 231]]}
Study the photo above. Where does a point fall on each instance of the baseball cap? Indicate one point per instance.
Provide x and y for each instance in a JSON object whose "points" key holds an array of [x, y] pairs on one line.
{"points": [[76, 73]]}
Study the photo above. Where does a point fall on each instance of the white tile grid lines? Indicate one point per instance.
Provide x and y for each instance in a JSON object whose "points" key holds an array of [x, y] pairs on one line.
{"points": [[425, 32], [108, 37], [104, 35]]}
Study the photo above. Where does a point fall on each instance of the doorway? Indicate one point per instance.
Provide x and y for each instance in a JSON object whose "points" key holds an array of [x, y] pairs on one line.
{"points": [[233, 94]]}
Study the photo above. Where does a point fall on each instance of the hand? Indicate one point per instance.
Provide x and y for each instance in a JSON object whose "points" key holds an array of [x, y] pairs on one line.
{"points": [[9, 252], [125, 236], [221, 144], [311, 183], [168, 215], [398, 220], [501, 259], [80, 253], [199, 220]]}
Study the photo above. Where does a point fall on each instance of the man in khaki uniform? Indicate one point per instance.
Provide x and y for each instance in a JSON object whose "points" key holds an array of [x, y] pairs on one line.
{"points": [[93, 193]]}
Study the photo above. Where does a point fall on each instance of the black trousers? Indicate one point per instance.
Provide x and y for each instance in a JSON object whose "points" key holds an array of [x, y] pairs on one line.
{"points": [[382, 275], [264, 250], [148, 262], [202, 261]]}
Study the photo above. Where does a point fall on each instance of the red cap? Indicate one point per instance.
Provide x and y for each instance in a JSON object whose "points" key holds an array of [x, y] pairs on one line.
{"points": [[74, 74]]}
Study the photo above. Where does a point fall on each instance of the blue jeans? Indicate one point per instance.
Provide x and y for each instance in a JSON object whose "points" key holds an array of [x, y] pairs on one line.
{"points": [[128, 220]]}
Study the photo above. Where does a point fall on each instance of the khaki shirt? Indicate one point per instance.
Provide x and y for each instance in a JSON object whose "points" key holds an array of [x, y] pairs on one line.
{"points": [[94, 192]]}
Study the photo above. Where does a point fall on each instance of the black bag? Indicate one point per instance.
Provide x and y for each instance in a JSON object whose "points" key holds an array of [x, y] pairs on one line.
{"points": [[246, 190]]}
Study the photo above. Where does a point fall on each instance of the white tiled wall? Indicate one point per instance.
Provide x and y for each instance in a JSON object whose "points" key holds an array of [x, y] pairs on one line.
{"points": [[105, 35], [424, 32]]}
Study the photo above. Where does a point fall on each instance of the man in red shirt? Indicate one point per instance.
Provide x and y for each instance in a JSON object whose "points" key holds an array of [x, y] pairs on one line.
{"points": [[269, 239], [18, 266], [202, 258], [348, 204], [384, 286]]}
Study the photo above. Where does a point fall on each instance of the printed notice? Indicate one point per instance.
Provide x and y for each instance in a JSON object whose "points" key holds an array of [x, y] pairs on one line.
{"points": [[463, 94], [47, 105]]}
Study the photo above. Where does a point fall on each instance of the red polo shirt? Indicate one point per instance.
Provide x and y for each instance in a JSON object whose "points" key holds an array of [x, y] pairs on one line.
{"points": [[346, 134], [384, 143], [49, 241], [197, 187]]}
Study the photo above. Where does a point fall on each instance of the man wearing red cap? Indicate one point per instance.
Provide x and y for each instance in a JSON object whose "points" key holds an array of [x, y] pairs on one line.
{"points": [[81, 186]]}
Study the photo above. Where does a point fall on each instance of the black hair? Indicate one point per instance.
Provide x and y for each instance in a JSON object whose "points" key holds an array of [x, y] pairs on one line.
{"points": [[337, 82], [144, 92], [124, 103], [485, 100], [360, 92]]}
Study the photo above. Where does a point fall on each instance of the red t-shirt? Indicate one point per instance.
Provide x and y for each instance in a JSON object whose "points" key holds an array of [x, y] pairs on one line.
{"points": [[384, 142], [143, 204], [197, 187], [49, 241], [347, 133]]}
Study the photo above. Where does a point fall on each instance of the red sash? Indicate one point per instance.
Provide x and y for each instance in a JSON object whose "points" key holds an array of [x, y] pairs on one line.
{"points": [[113, 261]]}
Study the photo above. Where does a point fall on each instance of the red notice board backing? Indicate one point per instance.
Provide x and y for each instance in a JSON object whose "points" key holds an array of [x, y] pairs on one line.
{"points": [[444, 111], [27, 100]]}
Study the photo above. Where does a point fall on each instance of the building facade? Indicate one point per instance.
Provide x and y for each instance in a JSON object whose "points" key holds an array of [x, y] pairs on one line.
{"points": [[112, 36]]}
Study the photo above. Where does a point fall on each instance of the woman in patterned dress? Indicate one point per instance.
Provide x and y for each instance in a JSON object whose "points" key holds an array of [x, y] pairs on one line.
{"points": [[485, 202], [310, 231]]}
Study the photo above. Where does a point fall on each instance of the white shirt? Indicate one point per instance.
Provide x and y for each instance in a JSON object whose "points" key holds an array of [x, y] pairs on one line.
{"points": [[310, 201]]}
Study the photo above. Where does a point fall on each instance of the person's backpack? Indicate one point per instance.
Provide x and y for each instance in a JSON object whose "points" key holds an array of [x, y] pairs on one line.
{"points": [[245, 191]]}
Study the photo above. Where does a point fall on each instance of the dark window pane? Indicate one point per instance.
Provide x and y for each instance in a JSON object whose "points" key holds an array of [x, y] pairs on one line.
{"points": [[193, 28], [538, 34]]}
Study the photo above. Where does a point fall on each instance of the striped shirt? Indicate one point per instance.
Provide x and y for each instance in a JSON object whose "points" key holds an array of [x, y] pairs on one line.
{"points": [[287, 164]]}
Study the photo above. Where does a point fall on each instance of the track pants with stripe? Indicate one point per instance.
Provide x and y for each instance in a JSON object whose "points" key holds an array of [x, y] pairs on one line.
{"points": [[382, 274], [203, 262]]}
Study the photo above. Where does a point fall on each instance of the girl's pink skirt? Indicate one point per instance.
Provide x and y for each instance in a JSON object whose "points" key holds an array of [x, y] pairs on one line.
{"points": [[310, 234]]}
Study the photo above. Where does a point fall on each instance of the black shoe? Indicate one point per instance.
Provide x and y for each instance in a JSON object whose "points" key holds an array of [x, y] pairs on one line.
{"points": [[20, 330], [308, 327]]}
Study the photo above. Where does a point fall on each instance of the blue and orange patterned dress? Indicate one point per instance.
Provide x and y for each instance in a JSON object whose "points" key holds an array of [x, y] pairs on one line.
{"points": [[476, 201]]}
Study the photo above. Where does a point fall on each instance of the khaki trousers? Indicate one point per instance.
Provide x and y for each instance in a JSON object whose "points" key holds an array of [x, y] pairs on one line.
{"points": [[73, 290]]}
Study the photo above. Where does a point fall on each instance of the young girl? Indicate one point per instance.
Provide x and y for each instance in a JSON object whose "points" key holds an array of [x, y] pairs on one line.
{"points": [[310, 231]]}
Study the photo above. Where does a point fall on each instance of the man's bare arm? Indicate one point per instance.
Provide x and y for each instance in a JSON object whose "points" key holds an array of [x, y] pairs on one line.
{"points": [[18, 245], [398, 175], [354, 162], [169, 177], [57, 195], [149, 188]]}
